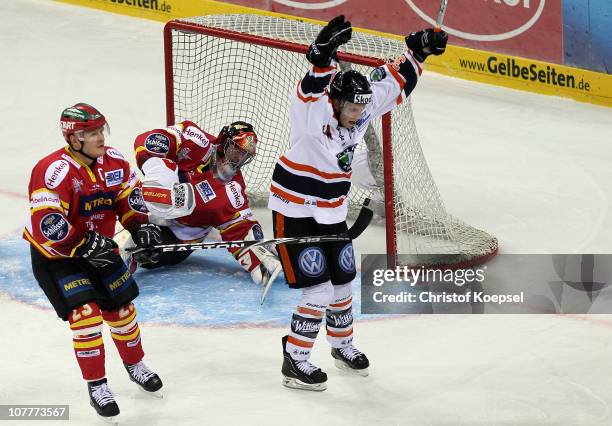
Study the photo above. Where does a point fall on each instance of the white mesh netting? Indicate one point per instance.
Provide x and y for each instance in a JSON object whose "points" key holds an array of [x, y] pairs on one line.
{"points": [[218, 80]]}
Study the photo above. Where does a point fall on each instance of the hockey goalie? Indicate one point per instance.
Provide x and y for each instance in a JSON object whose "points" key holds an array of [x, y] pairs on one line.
{"points": [[192, 183]]}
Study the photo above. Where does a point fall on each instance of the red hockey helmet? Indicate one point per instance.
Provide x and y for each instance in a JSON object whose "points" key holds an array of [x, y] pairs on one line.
{"points": [[238, 143], [237, 146], [81, 118]]}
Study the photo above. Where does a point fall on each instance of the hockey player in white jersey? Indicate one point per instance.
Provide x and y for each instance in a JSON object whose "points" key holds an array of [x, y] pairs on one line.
{"points": [[329, 115]]}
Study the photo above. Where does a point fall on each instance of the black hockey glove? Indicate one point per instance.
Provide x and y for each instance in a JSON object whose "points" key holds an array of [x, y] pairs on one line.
{"points": [[98, 250], [427, 42], [146, 236], [336, 33]]}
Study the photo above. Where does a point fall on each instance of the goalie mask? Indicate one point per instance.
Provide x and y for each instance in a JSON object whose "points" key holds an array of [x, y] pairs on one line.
{"points": [[236, 148], [81, 118]]}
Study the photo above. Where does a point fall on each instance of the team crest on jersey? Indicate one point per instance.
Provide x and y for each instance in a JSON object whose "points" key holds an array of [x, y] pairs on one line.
{"points": [[55, 174], [206, 192], [136, 202], [345, 158], [54, 227], [312, 261], [378, 74], [234, 194], [346, 259], [157, 143], [114, 177]]}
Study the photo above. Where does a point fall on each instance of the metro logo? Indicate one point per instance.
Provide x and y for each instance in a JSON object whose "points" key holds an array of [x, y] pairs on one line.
{"points": [[76, 283]]}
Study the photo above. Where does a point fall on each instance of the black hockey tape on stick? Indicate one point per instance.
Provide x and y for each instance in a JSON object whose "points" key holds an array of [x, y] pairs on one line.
{"points": [[362, 222]]}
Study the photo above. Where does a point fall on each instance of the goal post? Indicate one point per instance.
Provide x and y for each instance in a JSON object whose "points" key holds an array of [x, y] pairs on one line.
{"points": [[223, 68]]}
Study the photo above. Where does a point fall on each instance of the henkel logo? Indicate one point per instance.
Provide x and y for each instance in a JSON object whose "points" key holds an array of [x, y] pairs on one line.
{"points": [[56, 172], [510, 18], [195, 135], [234, 194]]}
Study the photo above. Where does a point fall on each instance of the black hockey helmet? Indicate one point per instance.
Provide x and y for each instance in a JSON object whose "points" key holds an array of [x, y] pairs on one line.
{"points": [[350, 86]]}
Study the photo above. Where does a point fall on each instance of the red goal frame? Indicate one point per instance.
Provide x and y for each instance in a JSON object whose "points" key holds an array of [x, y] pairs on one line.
{"points": [[176, 25]]}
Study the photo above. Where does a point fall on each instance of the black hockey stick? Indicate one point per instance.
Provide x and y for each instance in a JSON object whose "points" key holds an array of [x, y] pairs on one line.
{"points": [[361, 223], [239, 244]]}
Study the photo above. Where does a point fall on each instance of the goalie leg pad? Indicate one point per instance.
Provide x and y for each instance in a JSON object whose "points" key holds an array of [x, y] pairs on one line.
{"points": [[260, 261]]}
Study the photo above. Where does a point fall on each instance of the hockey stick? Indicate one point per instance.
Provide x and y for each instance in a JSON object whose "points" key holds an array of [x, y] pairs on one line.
{"points": [[239, 244], [361, 223], [440, 17]]}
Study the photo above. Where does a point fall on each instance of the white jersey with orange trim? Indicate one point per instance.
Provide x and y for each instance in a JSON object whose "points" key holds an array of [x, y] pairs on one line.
{"points": [[313, 178]]}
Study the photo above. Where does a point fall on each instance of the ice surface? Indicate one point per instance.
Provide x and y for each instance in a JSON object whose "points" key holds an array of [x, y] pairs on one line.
{"points": [[535, 171]]}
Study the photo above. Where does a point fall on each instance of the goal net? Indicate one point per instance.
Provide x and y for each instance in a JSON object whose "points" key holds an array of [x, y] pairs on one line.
{"points": [[223, 68]]}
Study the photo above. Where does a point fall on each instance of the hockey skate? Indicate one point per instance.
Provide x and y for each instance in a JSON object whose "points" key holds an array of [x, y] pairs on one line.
{"points": [[351, 359], [301, 374], [103, 401], [145, 378]]}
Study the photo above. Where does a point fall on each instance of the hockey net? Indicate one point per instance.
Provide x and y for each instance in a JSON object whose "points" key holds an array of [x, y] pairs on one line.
{"points": [[223, 68]]}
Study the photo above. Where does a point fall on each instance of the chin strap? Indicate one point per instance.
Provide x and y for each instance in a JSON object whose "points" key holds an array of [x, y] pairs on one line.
{"points": [[80, 151]]}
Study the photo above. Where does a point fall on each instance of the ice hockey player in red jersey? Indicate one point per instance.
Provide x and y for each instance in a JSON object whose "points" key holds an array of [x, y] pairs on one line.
{"points": [[77, 193], [193, 184], [329, 115]]}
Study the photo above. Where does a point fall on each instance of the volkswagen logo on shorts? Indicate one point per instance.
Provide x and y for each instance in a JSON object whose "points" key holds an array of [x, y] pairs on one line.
{"points": [[312, 261], [346, 259]]}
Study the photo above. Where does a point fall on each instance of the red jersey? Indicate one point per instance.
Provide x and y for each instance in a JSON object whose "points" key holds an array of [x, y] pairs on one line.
{"points": [[220, 205], [68, 198]]}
